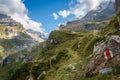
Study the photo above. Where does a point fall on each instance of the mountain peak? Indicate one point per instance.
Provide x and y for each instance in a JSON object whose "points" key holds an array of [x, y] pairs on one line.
{"points": [[8, 21], [102, 6], [104, 11], [4, 16], [102, 14]]}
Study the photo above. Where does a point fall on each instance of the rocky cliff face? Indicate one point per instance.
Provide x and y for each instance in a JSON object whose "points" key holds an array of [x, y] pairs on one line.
{"points": [[117, 6], [94, 20], [14, 38], [9, 27], [104, 11], [8, 21]]}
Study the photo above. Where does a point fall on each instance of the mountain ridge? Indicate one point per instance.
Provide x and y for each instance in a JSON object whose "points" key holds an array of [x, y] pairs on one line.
{"points": [[94, 19], [14, 38]]}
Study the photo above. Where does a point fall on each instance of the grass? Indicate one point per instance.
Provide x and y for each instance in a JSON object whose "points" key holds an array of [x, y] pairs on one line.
{"points": [[65, 55], [71, 48]]}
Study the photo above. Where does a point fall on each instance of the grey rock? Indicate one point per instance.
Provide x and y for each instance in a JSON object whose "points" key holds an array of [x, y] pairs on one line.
{"points": [[105, 70], [98, 62]]}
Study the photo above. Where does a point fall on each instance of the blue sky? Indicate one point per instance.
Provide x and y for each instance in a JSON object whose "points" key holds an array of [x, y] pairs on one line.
{"points": [[42, 10], [53, 12]]}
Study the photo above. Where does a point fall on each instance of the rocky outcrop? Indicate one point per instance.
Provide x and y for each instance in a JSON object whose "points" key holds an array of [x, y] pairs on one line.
{"points": [[117, 6], [99, 62]]}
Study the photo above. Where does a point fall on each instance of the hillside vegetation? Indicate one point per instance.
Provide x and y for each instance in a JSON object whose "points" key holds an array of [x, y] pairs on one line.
{"points": [[63, 56]]}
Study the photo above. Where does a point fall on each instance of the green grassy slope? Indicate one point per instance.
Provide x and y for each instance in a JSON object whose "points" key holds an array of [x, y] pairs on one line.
{"points": [[64, 57]]}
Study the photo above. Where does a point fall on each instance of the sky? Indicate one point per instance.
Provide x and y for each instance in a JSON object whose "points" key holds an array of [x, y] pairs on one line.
{"points": [[47, 12], [46, 15]]}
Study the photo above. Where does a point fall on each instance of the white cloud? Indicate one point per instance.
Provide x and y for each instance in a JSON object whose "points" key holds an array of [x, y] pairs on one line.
{"points": [[55, 16], [64, 13], [80, 8], [18, 11], [83, 6]]}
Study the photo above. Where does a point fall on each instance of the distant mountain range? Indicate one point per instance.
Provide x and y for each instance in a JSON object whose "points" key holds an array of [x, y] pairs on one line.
{"points": [[8, 21], [35, 35], [14, 37], [93, 20], [105, 11]]}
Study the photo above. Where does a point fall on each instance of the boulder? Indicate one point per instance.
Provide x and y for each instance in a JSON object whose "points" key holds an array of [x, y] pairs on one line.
{"points": [[105, 70], [99, 62]]}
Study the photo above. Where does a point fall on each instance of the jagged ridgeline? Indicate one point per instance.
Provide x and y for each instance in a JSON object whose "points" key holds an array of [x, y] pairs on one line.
{"points": [[69, 55], [8, 21], [9, 27], [93, 20]]}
